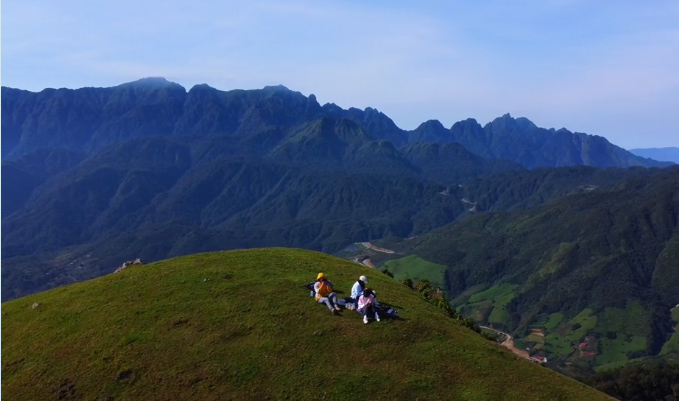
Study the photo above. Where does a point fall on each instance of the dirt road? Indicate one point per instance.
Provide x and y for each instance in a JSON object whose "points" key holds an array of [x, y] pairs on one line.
{"points": [[374, 248], [509, 343]]}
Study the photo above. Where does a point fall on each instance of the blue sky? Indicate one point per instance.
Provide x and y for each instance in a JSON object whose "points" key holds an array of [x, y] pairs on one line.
{"points": [[603, 67]]}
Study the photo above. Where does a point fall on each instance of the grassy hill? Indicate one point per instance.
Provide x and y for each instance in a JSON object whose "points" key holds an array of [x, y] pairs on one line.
{"points": [[239, 325]]}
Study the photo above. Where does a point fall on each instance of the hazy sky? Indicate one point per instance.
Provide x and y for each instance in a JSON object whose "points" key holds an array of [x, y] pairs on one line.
{"points": [[604, 67]]}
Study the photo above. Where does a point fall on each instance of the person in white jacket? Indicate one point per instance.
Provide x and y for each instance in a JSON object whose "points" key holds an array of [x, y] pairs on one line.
{"points": [[357, 291]]}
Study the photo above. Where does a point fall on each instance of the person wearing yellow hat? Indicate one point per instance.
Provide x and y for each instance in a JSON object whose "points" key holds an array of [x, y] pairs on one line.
{"points": [[325, 294]]}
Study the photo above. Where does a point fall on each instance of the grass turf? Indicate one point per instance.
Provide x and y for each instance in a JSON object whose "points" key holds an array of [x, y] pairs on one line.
{"points": [[416, 269], [239, 325]]}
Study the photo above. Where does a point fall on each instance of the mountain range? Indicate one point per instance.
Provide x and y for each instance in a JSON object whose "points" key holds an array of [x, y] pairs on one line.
{"points": [[559, 238], [89, 119], [147, 169]]}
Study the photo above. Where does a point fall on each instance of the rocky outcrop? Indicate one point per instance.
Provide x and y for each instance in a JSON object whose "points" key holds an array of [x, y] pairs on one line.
{"points": [[129, 263]]}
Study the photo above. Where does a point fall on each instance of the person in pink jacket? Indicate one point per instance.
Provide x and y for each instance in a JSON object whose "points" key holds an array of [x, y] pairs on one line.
{"points": [[366, 305]]}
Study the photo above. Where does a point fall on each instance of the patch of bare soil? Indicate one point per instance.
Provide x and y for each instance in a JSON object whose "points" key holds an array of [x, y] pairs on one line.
{"points": [[538, 332], [509, 344], [368, 263], [375, 248]]}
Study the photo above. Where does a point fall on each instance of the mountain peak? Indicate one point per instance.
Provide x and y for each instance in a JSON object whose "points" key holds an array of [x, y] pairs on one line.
{"points": [[202, 87], [151, 82], [430, 124], [507, 121], [276, 88]]}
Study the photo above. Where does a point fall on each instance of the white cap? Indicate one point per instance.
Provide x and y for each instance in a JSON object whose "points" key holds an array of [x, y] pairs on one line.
{"points": [[364, 279]]}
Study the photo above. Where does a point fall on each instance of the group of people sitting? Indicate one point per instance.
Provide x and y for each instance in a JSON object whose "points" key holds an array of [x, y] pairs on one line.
{"points": [[362, 298]]}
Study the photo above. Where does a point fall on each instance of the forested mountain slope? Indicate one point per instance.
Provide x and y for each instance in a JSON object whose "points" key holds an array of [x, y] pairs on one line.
{"points": [[96, 176], [596, 268]]}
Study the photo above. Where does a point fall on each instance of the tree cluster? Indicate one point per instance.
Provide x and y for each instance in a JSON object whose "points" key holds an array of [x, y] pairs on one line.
{"points": [[639, 382]]}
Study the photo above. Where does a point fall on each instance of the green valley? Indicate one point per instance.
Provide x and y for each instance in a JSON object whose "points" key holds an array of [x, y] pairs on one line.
{"points": [[587, 278]]}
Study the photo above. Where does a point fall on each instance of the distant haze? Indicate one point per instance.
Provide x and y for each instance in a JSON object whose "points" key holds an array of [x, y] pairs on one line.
{"points": [[660, 154], [604, 68]]}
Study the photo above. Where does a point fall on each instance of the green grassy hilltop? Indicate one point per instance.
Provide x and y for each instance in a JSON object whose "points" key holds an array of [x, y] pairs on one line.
{"points": [[239, 325]]}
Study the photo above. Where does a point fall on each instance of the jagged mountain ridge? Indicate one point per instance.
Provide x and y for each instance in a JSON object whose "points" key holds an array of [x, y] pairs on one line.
{"points": [[147, 169], [91, 118], [523, 142]]}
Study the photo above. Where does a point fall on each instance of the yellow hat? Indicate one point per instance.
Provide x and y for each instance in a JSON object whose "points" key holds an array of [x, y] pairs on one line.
{"points": [[320, 276]]}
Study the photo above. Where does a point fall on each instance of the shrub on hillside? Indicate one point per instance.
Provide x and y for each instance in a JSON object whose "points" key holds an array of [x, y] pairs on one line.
{"points": [[436, 296]]}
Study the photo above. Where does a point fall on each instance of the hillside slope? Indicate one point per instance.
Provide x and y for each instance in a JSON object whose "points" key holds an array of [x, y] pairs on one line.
{"points": [[322, 188], [239, 325], [595, 268]]}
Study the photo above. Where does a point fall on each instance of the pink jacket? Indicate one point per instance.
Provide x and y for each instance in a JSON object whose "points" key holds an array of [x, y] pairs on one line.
{"points": [[364, 301]]}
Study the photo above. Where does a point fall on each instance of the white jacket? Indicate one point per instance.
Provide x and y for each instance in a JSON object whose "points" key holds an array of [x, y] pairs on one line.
{"points": [[357, 290]]}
